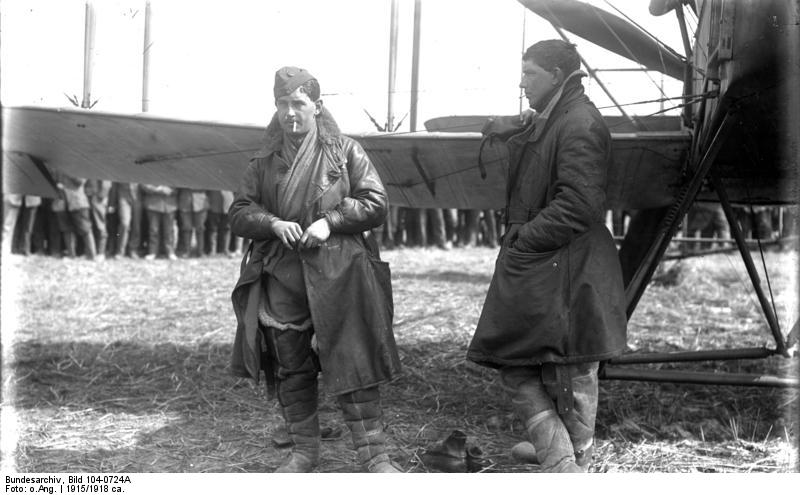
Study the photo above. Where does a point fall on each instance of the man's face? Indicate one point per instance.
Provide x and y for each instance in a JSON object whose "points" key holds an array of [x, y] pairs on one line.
{"points": [[537, 83], [297, 112]]}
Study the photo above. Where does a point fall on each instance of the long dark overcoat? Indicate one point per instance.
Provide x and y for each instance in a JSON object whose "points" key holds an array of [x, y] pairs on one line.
{"points": [[348, 286], [557, 292]]}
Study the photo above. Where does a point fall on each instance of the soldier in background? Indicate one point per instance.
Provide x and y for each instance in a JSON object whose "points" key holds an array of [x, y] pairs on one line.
{"points": [[19, 214], [160, 204], [219, 232], [97, 192], [72, 212], [126, 198], [192, 212]]}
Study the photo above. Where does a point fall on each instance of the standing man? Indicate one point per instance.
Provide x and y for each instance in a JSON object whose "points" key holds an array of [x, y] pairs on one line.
{"points": [[73, 214], [97, 192], [129, 211], [313, 292], [192, 210], [160, 203], [555, 306]]}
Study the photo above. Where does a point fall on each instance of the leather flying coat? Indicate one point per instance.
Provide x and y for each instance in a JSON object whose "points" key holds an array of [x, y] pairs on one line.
{"points": [[348, 286], [556, 294]]}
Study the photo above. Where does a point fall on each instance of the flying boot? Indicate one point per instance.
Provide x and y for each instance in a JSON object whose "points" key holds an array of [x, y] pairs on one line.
{"points": [[546, 430], [362, 413], [297, 395], [580, 421]]}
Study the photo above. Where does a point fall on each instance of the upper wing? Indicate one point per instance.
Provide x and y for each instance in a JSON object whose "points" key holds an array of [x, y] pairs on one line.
{"points": [[419, 170], [611, 32]]}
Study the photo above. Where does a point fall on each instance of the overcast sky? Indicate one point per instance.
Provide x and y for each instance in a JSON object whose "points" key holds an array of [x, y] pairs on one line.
{"points": [[214, 60]]}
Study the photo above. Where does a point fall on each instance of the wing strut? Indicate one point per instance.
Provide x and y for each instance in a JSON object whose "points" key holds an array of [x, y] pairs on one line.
{"points": [[769, 313], [645, 270], [672, 220]]}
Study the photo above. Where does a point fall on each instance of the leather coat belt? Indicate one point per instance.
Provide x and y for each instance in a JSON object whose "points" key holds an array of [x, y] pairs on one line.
{"points": [[512, 215]]}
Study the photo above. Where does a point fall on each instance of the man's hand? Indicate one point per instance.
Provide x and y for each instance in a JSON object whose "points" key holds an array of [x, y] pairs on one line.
{"points": [[288, 232], [316, 233]]}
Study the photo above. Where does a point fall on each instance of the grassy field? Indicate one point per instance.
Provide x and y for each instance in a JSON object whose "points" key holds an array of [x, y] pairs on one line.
{"points": [[123, 367]]}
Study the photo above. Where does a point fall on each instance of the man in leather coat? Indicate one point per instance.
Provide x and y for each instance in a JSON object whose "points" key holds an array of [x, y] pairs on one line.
{"points": [[555, 306], [311, 276]]}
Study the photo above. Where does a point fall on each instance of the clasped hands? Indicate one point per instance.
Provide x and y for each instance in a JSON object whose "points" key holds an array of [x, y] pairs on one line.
{"points": [[292, 235]]}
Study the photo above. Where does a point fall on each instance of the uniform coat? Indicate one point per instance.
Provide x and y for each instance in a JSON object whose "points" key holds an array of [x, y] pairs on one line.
{"points": [[348, 287], [557, 293]]}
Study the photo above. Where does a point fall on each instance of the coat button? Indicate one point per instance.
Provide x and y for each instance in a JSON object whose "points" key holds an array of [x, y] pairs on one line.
{"points": [[555, 264]]}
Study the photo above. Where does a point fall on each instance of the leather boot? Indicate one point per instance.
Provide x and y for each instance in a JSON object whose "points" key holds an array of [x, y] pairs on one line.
{"points": [[362, 413], [546, 430]]}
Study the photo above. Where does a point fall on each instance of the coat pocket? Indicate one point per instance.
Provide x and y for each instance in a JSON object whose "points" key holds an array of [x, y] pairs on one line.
{"points": [[533, 284], [525, 315]]}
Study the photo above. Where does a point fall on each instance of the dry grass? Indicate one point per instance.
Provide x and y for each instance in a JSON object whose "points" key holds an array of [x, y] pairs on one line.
{"points": [[123, 367]]}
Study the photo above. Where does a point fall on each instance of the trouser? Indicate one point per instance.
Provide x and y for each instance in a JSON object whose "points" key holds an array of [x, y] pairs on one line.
{"points": [[193, 221], [163, 223], [558, 405], [10, 216], [98, 210], [77, 222], [130, 225], [25, 224], [215, 225]]}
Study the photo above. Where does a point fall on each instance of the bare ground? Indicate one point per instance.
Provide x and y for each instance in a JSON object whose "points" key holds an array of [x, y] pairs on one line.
{"points": [[123, 367]]}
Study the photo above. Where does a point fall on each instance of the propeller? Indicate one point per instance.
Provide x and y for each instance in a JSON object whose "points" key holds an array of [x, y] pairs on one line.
{"points": [[610, 32]]}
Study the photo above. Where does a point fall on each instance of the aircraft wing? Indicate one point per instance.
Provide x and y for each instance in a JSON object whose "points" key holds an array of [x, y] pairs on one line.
{"points": [[421, 170], [611, 32], [132, 148]]}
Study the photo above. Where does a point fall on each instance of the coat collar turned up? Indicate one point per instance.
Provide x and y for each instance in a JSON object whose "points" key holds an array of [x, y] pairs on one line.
{"points": [[568, 91]]}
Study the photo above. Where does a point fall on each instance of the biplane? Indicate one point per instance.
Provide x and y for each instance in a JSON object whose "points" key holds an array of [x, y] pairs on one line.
{"points": [[737, 141]]}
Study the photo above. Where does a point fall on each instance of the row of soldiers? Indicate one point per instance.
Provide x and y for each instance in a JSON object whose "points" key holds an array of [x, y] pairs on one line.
{"points": [[100, 218]]}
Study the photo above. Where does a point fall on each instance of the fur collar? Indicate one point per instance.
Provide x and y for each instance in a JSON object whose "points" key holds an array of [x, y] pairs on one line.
{"points": [[327, 132]]}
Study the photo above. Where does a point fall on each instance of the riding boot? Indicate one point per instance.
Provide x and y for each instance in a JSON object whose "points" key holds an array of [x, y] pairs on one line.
{"points": [[546, 430], [362, 413]]}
